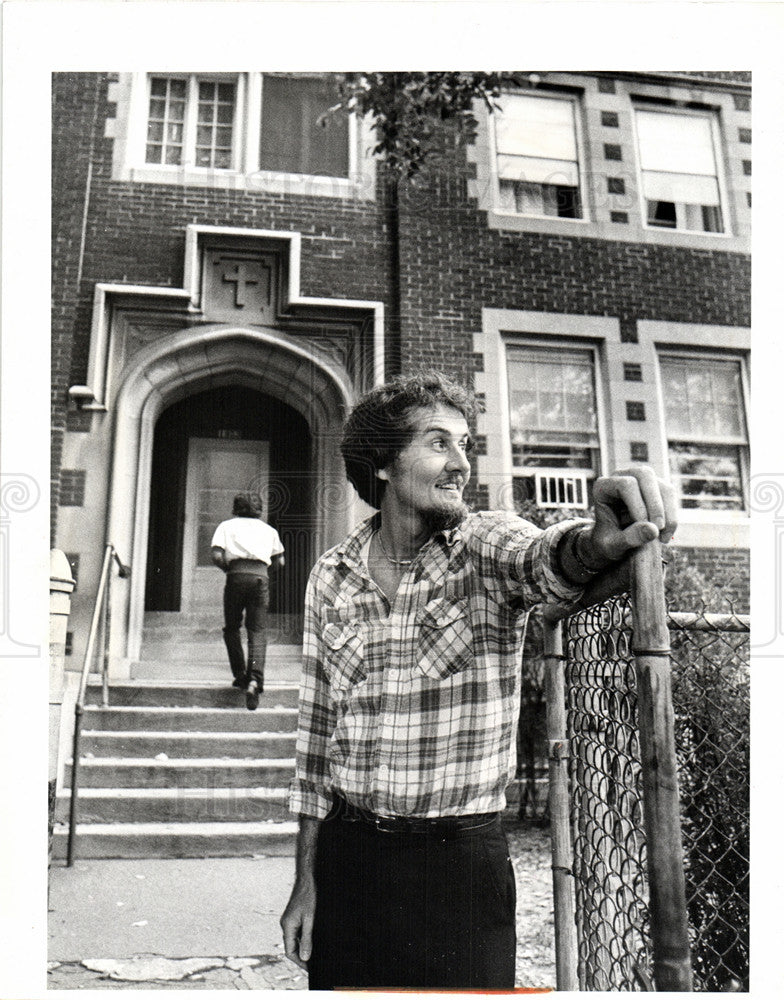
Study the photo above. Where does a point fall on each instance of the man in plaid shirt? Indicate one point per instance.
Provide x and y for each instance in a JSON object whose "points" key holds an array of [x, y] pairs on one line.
{"points": [[409, 699]]}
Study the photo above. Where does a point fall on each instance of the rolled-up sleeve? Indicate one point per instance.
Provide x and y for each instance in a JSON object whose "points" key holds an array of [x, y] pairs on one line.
{"points": [[519, 562], [309, 793]]}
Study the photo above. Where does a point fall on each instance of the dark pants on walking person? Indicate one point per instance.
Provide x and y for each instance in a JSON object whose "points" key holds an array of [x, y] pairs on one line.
{"points": [[248, 594], [428, 909]]}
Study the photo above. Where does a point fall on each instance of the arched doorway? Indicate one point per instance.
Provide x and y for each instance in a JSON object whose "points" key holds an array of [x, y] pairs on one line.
{"points": [[295, 392], [208, 447]]}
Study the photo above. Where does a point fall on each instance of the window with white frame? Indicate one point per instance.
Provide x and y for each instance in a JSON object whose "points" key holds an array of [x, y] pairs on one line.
{"points": [[553, 423], [681, 182], [191, 121], [706, 430], [245, 122], [537, 161]]}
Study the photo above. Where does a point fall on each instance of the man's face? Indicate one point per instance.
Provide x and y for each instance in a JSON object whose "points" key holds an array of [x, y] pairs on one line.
{"points": [[428, 477]]}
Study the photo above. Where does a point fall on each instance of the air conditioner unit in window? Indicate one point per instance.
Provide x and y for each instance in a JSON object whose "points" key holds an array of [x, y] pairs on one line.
{"points": [[562, 488]]}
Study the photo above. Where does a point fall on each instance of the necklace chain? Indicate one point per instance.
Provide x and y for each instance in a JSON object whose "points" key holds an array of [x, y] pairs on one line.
{"points": [[388, 557]]}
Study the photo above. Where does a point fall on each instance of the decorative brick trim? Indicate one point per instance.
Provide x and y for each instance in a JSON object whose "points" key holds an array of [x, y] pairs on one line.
{"points": [[744, 135], [638, 451], [742, 102], [606, 85], [747, 168], [480, 444], [72, 484], [610, 119], [478, 361], [616, 185], [619, 217], [629, 331], [635, 410], [612, 151], [632, 372]]}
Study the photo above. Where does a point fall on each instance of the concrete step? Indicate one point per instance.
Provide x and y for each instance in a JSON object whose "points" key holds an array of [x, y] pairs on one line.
{"points": [[244, 745], [206, 647], [279, 672], [216, 772], [191, 719], [176, 840], [169, 805], [202, 695]]}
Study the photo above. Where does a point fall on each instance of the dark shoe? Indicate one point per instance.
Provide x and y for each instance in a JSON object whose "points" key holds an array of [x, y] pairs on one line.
{"points": [[252, 696], [238, 682]]}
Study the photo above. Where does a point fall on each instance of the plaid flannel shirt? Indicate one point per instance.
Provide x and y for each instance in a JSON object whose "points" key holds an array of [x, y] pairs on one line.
{"points": [[411, 709]]}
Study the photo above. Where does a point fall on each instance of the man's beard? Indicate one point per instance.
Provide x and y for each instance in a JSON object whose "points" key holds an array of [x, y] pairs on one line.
{"points": [[445, 518]]}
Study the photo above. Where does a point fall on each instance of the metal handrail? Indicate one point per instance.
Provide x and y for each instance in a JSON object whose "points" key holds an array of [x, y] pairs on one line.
{"points": [[100, 620]]}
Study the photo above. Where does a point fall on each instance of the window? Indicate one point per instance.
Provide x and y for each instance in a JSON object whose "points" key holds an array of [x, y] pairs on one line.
{"points": [[292, 140], [536, 157], [680, 179], [706, 430], [191, 122], [553, 424], [245, 122]]}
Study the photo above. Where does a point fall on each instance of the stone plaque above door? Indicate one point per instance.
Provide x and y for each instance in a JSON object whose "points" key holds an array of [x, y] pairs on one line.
{"points": [[238, 286]]}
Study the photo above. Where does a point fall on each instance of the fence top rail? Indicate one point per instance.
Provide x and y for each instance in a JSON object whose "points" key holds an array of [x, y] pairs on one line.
{"points": [[708, 622]]}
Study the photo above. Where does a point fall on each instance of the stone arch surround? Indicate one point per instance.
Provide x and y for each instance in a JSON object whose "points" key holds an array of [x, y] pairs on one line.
{"points": [[188, 362]]}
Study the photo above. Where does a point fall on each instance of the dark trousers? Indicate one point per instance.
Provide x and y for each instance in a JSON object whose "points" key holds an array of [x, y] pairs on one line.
{"points": [[248, 594], [413, 910]]}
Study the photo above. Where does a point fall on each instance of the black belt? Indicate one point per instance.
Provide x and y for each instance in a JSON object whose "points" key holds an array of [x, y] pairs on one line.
{"points": [[439, 825]]}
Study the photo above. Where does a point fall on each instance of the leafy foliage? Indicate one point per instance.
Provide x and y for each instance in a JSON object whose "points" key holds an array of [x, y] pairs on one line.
{"points": [[710, 681], [409, 109]]}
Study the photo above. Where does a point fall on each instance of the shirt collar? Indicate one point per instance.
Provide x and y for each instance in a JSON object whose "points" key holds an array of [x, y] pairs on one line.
{"points": [[350, 549]]}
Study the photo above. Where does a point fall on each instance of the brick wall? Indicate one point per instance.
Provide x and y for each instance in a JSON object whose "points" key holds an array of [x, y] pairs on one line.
{"points": [[451, 263], [727, 571], [78, 112], [546, 273]]}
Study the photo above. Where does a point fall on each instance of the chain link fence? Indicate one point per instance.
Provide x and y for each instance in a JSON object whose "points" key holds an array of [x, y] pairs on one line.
{"points": [[710, 686], [612, 928]]}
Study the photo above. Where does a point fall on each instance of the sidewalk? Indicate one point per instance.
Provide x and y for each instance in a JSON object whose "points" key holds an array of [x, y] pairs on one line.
{"points": [[212, 923], [205, 923]]}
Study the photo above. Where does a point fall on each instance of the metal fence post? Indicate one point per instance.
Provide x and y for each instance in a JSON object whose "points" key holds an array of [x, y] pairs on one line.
{"points": [[661, 805], [560, 831]]}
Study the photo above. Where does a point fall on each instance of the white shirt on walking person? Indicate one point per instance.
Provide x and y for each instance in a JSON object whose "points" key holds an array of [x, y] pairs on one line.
{"points": [[247, 538]]}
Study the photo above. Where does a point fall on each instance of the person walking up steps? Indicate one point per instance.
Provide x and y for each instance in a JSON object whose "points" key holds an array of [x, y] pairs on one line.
{"points": [[245, 547]]}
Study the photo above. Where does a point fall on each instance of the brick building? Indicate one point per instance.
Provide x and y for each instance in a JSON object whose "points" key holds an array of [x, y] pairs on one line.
{"points": [[227, 277]]}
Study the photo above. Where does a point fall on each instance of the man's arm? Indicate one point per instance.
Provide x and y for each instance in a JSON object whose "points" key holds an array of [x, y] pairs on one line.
{"points": [[309, 796], [219, 557], [297, 919], [631, 507]]}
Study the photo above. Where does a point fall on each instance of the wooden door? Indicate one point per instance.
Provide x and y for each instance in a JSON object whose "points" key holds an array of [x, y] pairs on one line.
{"points": [[217, 471]]}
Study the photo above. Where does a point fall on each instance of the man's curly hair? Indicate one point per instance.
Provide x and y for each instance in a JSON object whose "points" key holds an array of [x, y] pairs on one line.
{"points": [[380, 425]]}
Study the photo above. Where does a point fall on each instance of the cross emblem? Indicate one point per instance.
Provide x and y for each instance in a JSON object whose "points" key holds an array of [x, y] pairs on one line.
{"points": [[239, 276]]}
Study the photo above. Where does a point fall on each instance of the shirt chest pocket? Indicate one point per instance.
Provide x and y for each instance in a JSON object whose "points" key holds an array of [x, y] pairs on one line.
{"points": [[445, 643], [345, 662]]}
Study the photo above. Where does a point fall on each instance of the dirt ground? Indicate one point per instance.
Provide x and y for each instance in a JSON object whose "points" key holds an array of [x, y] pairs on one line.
{"points": [[529, 848]]}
